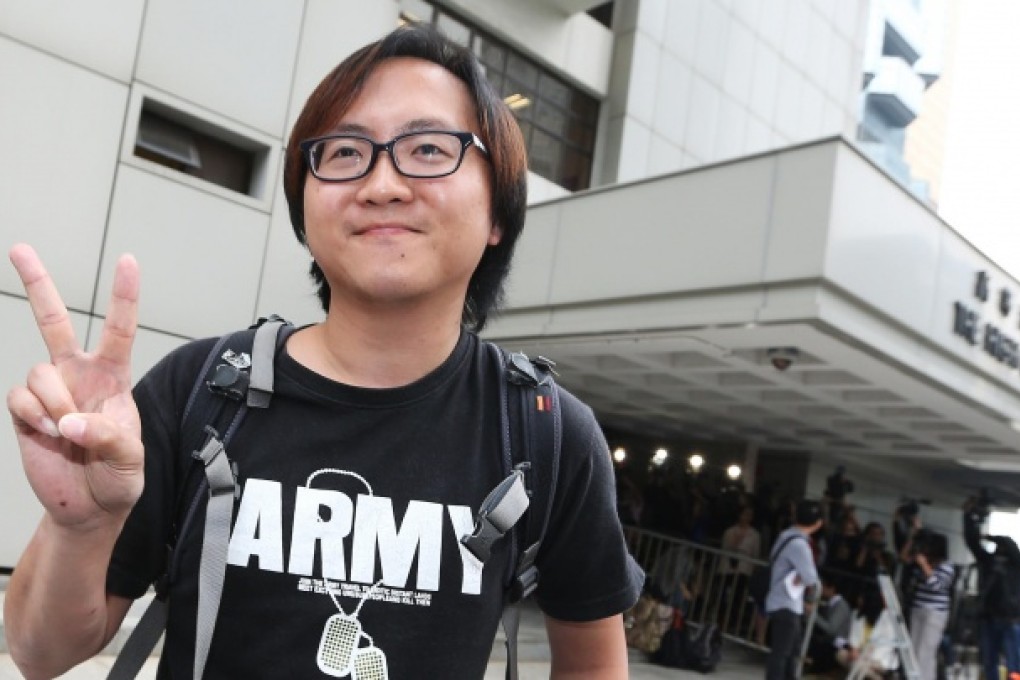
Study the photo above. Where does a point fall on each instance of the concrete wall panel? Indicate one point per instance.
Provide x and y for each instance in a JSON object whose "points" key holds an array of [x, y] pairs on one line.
{"points": [[100, 34], [19, 509], [235, 57], [60, 127], [200, 255]]}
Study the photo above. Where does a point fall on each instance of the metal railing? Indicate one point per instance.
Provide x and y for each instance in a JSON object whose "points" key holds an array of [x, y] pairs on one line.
{"points": [[716, 581]]}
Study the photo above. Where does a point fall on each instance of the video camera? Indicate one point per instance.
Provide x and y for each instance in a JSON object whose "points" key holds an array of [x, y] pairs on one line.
{"points": [[909, 508], [982, 505], [837, 486]]}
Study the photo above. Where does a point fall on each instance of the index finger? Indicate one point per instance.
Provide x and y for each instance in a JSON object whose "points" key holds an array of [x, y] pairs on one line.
{"points": [[122, 315], [47, 306]]}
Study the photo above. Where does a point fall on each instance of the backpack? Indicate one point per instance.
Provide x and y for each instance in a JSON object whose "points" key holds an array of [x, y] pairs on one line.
{"points": [[705, 649], [237, 376], [965, 609], [760, 580], [679, 649], [673, 647]]}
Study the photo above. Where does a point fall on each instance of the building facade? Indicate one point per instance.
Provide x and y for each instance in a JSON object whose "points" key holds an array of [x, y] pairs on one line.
{"points": [[695, 209]]}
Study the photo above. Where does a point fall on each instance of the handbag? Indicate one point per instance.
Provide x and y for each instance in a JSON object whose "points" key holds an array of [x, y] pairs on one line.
{"points": [[646, 622]]}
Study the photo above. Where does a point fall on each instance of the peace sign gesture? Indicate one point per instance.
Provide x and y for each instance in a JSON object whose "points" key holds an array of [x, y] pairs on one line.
{"points": [[75, 419]]}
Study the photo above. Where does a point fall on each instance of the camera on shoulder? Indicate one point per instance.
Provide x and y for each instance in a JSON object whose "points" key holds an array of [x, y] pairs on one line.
{"points": [[837, 486]]}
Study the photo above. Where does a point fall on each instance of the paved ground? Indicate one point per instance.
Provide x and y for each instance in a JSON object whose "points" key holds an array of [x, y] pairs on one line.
{"points": [[737, 663], [733, 667]]}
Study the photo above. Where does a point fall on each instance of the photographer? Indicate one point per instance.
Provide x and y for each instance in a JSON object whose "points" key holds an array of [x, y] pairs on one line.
{"points": [[873, 557], [837, 486], [933, 578], [906, 521], [906, 524], [999, 590]]}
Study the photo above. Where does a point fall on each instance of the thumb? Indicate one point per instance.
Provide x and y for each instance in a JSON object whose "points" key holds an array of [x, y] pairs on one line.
{"points": [[99, 433], [73, 427]]}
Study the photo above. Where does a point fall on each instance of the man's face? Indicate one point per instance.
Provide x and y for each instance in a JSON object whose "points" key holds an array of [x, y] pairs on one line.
{"points": [[389, 241]]}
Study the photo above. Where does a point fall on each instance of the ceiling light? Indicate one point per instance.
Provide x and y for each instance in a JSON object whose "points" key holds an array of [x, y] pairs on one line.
{"points": [[696, 461], [659, 459], [517, 101], [620, 454], [733, 472]]}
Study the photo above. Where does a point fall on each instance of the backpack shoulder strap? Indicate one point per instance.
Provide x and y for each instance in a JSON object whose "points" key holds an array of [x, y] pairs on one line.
{"points": [[779, 548], [530, 415], [219, 399], [529, 422], [533, 410]]}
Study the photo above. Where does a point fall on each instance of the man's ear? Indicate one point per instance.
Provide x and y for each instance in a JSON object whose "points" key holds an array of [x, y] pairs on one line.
{"points": [[495, 234]]}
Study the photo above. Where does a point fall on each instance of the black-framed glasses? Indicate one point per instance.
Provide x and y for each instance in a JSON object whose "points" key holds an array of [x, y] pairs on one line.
{"points": [[428, 154]]}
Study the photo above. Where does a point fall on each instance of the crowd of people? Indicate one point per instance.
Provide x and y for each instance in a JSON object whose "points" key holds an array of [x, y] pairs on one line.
{"points": [[835, 570]]}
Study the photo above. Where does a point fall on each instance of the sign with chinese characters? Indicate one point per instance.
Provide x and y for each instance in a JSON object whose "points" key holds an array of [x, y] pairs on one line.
{"points": [[994, 340]]}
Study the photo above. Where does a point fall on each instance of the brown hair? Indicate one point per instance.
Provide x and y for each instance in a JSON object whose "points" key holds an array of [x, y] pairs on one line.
{"points": [[498, 130]]}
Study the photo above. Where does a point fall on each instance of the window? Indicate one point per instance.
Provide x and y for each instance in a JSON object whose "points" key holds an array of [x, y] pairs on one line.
{"points": [[558, 120], [193, 147]]}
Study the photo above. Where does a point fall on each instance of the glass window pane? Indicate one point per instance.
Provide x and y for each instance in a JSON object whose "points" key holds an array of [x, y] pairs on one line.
{"points": [[554, 91], [522, 70], [495, 78], [525, 132], [545, 152], [587, 108], [550, 118], [576, 171], [490, 53], [580, 135]]}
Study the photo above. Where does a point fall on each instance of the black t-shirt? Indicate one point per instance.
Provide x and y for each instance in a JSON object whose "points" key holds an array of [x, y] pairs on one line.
{"points": [[352, 501]]}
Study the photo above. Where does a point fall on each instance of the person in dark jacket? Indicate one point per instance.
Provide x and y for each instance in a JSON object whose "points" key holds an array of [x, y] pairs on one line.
{"points": [[999, 588]]}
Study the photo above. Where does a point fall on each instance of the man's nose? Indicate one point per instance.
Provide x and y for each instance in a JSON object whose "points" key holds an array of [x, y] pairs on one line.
{"points": [[384, 183]]}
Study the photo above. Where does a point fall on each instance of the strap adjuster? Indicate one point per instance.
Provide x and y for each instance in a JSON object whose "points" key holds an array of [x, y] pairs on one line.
{"points": [[499, 512], [219, 484], [524, 585]]}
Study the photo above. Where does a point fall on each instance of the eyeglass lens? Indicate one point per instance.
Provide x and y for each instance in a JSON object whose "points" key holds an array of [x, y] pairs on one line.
{"points": [[424, 154]]}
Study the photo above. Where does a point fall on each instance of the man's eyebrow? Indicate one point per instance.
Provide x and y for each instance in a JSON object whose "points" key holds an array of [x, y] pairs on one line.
{"points": [[416, 125], [420, 124], [349, 129]]}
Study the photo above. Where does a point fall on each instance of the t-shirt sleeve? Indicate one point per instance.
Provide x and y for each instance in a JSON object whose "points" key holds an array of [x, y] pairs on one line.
{"points": [[585, 571], [140, 554]]}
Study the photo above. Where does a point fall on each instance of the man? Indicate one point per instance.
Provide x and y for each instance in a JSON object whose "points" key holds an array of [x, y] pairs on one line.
{"points": [[405, 177], [830, 645], [999, 592], [793, 572]]}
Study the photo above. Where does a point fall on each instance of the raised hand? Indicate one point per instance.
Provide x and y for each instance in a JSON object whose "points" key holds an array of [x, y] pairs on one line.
{"points": [[75, 419]]}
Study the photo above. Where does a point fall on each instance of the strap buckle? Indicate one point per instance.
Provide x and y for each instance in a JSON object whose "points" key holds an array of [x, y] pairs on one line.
{"points": [[521, 370], [499, 512]]}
